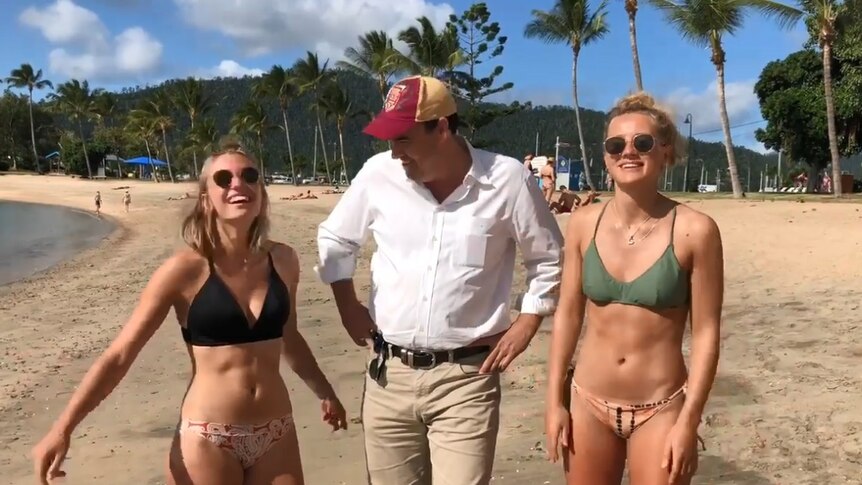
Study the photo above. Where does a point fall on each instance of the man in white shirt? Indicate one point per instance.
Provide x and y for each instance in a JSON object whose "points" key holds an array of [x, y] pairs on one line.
{"points": [[446, 218]]}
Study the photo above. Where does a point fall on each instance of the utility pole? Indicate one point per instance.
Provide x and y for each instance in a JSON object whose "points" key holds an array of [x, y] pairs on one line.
{"points": [[690, 122]]}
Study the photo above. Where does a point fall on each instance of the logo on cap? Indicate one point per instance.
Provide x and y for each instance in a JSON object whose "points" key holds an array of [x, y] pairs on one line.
{"points": [[394, 97]]}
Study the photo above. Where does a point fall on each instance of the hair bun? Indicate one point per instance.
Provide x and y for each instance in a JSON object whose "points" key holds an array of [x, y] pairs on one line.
{"points": [[230, 143], [636, 102]]}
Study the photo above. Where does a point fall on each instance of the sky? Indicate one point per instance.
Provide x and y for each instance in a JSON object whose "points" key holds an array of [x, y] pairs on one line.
{"points": [[119, 43]]}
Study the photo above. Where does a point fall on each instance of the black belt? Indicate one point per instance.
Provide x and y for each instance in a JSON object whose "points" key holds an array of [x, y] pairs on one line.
{"points": [[418, 359]]}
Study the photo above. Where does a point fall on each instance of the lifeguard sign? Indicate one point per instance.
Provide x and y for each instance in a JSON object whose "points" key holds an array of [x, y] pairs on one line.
{"points": [[568, 170]]}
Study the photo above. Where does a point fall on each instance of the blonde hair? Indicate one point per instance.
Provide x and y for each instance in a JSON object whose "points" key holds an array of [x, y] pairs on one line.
{"points": [[668, 134], [200, 230]]}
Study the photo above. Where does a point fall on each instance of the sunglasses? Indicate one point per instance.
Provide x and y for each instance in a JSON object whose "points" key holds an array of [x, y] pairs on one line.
{"points": [[223, 177], [643, 143]]}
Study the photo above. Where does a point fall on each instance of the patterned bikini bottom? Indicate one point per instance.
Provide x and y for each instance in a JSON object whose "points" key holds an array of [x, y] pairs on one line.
{"points": [[246, 442]]}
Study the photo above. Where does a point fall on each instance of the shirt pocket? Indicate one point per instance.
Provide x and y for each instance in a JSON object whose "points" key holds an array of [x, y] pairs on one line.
{"points": [[473, 248]]}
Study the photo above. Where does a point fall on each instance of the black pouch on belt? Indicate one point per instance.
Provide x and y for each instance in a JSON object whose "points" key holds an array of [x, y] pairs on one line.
{"points": [[377, 367]]}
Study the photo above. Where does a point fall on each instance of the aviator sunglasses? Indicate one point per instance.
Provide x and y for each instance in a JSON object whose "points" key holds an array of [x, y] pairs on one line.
{"points": [[643, 143], [223, 177]]}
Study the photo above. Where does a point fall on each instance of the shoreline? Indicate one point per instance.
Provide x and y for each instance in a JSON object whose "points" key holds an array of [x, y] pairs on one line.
{"points": [[116, 230]]}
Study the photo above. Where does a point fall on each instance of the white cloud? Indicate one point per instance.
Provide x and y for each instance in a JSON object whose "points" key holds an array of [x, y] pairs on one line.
{"points": [[230, 68], [86, 49], [538, 95], [323, 26], [743, 108], [742, 105], [66, 23], [136, 51]]}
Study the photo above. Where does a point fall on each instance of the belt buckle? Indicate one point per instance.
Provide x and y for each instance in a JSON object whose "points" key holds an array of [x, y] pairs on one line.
{"points": [[409, 354]]}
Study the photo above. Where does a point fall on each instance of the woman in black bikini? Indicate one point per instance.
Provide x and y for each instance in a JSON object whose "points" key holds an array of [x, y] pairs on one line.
{"points": [[640, 266], [234, 292]]}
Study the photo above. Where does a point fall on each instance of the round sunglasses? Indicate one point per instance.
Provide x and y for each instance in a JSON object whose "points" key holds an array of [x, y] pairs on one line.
{"points": [[643, 143], [223, 177]]}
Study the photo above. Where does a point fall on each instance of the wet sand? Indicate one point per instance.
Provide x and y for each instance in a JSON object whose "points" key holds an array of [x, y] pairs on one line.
{"points": [[785, 408]]}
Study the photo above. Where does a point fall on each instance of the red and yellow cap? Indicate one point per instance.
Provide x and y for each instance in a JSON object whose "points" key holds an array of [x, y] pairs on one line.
{"points": [[410, 101]]}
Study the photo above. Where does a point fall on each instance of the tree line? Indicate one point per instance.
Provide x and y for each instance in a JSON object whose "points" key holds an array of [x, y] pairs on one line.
{"points": [[180, 120], [794, 91]]}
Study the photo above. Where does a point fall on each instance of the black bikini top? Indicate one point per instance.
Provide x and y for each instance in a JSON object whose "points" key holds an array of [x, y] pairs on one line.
{"points": [[215, 318]]}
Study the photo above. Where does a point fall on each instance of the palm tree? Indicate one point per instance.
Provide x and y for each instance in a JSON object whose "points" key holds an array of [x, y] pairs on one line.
{"points": [[632, 11], [823, 14], [574, 23], [376, 58], [25, 77], [310, 75], [188, 96], [155, 111], [432, 53], [279, 83], [142, 123], [336, 103], [251, 120], [14, 113], [104, 104], [75, 99], [205, 137], [704, 22]]}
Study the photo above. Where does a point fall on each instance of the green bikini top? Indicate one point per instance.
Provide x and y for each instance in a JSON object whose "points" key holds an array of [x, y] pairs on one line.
{"points": [[664, 285]]}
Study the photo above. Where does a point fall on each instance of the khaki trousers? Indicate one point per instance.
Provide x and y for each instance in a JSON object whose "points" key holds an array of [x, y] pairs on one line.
{"points": [[431, 427]]}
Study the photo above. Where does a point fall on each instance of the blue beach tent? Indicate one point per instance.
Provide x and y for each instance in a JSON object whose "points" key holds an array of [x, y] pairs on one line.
{"points": [[146, 161]]}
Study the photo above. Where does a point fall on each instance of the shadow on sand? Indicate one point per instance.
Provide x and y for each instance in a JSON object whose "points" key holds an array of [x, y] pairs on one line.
{"points": [[715, 470]]}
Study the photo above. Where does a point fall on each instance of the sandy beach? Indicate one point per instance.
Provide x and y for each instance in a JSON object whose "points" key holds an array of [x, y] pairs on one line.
{"points": [[785, 408]]}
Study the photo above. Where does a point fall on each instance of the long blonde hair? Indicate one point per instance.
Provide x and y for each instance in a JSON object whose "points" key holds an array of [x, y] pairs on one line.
{"points": [[200, 229], [668, 133]]}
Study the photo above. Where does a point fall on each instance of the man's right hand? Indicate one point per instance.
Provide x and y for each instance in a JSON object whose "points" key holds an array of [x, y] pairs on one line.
{"points": [[354, 315], [359, 325]]}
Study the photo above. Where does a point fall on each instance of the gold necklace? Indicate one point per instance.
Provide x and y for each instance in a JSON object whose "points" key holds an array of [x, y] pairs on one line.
{"points": [[631, 239], [644, 236]]}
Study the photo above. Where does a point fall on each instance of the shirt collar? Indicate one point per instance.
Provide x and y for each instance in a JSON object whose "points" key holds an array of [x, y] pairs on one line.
{"points": [[479, 168]]}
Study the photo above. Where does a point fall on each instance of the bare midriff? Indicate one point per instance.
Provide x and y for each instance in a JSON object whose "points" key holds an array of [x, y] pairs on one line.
{"points": [[237, 384], [631, 354]]}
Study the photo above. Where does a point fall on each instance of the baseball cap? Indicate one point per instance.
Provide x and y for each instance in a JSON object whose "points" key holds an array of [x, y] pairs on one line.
{"points": [[411, 100]]}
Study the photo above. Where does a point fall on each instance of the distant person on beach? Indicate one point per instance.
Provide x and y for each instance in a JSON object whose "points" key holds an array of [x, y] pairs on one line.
{"points": [[234, 292], [447, 219], [127, 200], [639, 266], [549, 180], [98, 200]]}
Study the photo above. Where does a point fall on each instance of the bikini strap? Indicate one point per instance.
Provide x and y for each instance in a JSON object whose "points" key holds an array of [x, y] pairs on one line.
{"points": [[672, 223], [269, 257], [601, 213]]}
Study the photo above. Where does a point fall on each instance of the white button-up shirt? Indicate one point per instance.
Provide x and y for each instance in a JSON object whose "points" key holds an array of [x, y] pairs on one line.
{"points": [[442, 272]]}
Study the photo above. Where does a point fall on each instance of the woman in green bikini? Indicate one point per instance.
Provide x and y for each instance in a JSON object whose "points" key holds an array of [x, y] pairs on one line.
{"points": [[639, 266]]}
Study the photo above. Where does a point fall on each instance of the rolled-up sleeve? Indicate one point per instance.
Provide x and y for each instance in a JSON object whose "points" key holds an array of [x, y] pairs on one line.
{"points": [[341, 235], [540, 240]]}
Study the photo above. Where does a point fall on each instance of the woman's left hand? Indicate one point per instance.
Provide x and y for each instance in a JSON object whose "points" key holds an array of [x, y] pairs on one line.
{"points": [[680, 452], [334, 413]]}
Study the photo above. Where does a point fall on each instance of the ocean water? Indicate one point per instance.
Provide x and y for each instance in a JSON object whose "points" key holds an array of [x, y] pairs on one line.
{"points": [[34, 237]]}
